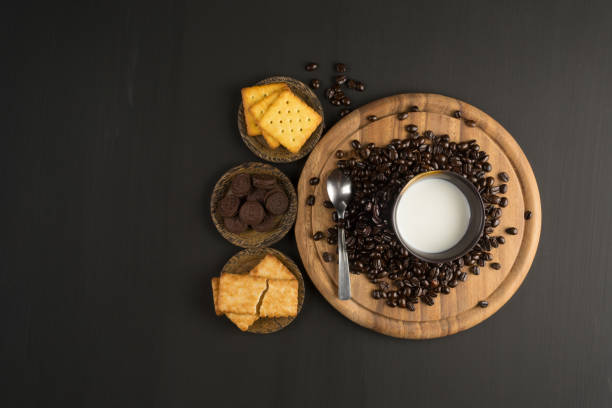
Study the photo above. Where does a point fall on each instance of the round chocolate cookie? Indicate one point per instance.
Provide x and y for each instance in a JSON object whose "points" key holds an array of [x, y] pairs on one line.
{"points": [[241, 185], [277, 202], [268, 224], [228, 206], [259, 194], [234, 225], [264, 181], [251, 213]]}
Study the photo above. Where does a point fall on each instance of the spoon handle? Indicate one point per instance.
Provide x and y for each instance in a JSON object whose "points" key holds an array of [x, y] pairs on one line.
{"points": [[344, 282]]}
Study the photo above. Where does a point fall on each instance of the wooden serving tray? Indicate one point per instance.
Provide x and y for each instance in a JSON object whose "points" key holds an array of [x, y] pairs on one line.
{"points": [[459, 310]]}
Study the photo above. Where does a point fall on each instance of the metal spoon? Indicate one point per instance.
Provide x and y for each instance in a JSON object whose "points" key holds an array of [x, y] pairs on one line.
{"points": [[339, 193]]}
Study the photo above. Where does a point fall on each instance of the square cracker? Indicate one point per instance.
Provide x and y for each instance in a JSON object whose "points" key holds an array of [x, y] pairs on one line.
{"points": [[290, 121], [242, 321], [272, 268], [281, 299], [251, 96], [240, 293], [258, 109]]}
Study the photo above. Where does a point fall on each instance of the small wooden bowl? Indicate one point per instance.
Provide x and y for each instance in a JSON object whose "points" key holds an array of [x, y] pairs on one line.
{"points": [[252, 238], [258, 145], [243, 262]]}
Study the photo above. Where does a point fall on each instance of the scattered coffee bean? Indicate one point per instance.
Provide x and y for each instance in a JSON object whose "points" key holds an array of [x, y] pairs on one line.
{"points": [[475, 270], [503, 188], [345, 101], [360, 87], [340, 67], [470, 123], [340, 79], [317, 235], [496, 265], [310, 200], [402, 115], [501, 240], [512, 231], [329, 93], [327, 257], [483, 303], [503, 202], [311, 66], [314, 181], [527, 215], [372, 118], [328, 204], [344, 112], [339, 154], [315, 84], [457, 114], [336, 102], [414, 108], [503, 176], [412, 128]]}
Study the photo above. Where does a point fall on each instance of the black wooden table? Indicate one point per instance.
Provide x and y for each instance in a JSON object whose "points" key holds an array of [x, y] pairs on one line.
{"points": [[118, 118]]}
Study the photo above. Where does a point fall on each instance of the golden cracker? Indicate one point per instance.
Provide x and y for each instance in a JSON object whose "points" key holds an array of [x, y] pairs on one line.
{"points": [[272, 142], [281, 299], [242, 321], [250, 96], [272, 268], [215, 288], [240, 293], [290, 121]]}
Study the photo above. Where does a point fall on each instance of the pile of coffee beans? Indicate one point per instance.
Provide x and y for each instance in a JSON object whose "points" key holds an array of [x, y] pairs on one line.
{"points": [[378, 173], [335, 94], [252, 201]]}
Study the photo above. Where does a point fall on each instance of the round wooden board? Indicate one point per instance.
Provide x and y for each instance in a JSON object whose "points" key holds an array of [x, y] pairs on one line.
{"points": [[247, 259], [454, 312]]}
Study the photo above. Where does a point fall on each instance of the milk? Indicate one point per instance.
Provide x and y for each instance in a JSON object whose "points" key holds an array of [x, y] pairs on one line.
{"points": [[432, 215]]}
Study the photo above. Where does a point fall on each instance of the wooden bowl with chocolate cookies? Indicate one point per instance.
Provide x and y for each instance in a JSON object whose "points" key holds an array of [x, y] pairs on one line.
{"points": [[253, 205]]}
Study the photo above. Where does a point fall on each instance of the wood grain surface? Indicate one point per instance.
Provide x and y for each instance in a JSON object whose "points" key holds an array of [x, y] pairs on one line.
{"points": [[247, 259], [458, 310]]}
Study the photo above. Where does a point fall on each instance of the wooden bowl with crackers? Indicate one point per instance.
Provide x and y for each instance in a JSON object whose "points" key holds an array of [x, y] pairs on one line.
{"points": [[259, 290], [279, 195], [280, 119]]}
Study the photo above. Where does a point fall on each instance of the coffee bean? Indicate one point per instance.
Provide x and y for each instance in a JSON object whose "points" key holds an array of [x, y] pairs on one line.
{"points": [[340, 79], [372, 118], [345, 101], [483, 303], [339, 154], [327, 257], [503, 202], [314, 181], [512, 231], [495, 265], [457, 114], [475, 270], [317, 235], [355, 144], [329, 93], [328, 204], [503, 176], [527, 215], [360, 87], [501, 240], [340, 67], [310, 200], [414, 108], [315, 84], [503, 189], [336, 102], [412, 128], [470, 123], [402, 115], [311, 66], [344, 112]]}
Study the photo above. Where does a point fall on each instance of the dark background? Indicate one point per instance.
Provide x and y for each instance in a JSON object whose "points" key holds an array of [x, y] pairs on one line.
{"points": [[118, 118]]}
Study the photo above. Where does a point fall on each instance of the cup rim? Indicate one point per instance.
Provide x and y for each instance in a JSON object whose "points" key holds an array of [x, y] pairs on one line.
{"points": [[475, 225]]}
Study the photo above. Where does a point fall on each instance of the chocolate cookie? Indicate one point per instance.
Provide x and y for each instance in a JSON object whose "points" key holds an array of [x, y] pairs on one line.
{"points": [[241, 185], [234, 225], [251, 213], [268, 224], [228, 206], [264, 181], [277, 202], [259, 194]]}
